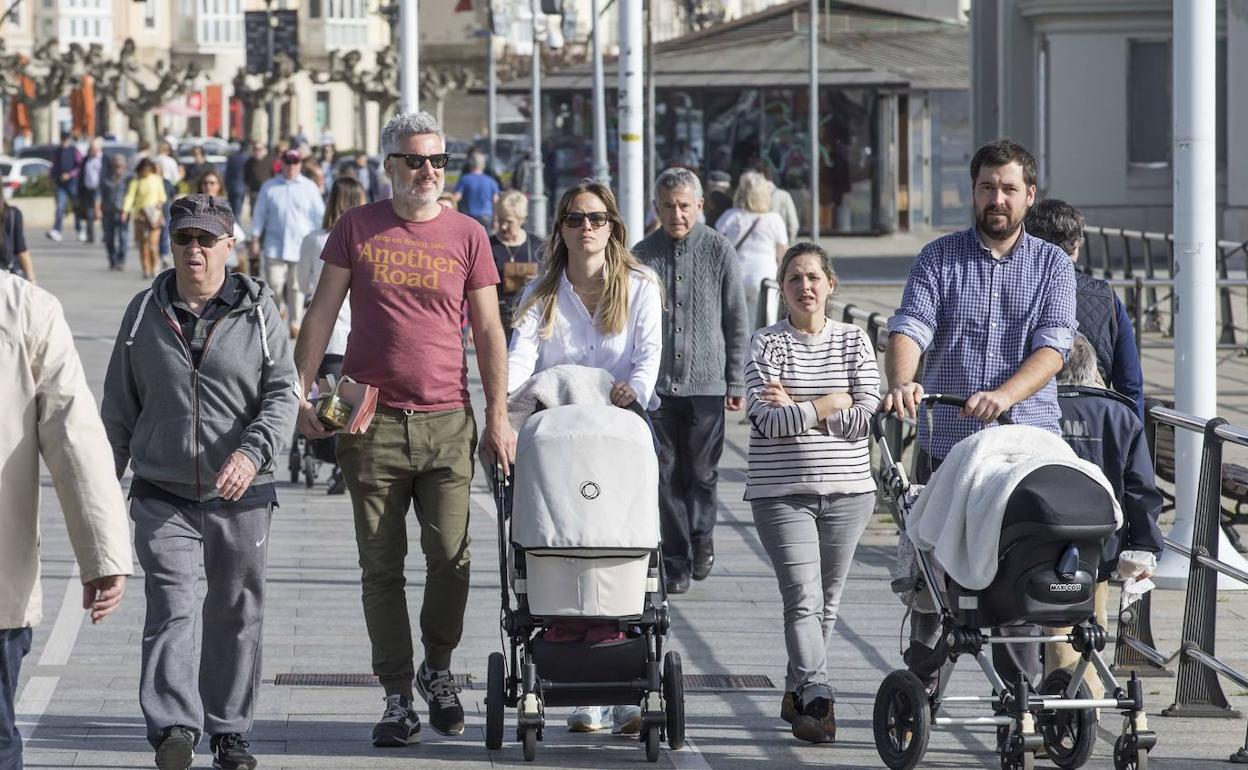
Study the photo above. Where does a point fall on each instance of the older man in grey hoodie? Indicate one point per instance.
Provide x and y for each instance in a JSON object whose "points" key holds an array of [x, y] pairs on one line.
{"points": [[701, 373], [199, 396]]}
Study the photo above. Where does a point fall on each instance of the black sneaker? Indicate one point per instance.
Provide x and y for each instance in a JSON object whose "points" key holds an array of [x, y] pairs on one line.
{"points": [[703, 560], [229, 752], [677, 585], [438, 689], [337, 482], [817, 722], [399, 726], [176, 750]]}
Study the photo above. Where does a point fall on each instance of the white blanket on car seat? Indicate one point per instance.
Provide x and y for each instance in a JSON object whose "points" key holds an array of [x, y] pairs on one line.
{"points": [[558, 386], [957, 518]]}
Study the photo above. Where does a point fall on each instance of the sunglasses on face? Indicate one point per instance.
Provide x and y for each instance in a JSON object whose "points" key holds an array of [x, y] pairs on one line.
{"points": [[205, 241], [415, 161], [576, 219]]}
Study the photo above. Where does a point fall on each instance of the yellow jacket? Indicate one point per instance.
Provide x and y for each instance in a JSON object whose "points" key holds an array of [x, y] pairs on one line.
{"points": [[144, 192], [48, 411]]}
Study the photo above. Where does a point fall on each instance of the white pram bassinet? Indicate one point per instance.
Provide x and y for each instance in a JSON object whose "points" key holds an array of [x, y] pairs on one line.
{"points": [[585, 512]]}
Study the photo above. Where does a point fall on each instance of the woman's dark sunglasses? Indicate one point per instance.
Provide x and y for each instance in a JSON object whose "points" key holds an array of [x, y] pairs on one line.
{"points": [[576, 219], [415, 161], [205, 241]]}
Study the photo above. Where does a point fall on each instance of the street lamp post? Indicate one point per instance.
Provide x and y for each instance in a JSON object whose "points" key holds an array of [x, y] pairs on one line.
{"points": [[814, 120], [270, 45], [409, 52], [537, 186], [602, 169]]}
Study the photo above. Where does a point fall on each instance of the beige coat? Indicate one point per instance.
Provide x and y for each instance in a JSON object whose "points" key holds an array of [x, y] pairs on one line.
{"points": [[46, 409]]}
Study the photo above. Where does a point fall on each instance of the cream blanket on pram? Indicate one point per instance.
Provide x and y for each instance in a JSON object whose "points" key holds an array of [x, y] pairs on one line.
{"points": [[957, 517]]}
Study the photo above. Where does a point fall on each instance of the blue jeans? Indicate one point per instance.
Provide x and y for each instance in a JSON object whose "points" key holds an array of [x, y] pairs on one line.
{"points": [[116, 238], [14, 644], [64, 197]]}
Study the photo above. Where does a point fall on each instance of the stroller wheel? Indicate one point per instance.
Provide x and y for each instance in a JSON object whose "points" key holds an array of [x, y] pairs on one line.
{"points": [[494, 695], [309, 471], [1128, 756], [1024, 761], [296, 462], [674, 700], [652, 743], [902, 720], [1068, 735], [528, 739]]}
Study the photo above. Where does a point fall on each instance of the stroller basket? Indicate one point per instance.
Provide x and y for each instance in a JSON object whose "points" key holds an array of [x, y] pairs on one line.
{"points": [[585, 583]]}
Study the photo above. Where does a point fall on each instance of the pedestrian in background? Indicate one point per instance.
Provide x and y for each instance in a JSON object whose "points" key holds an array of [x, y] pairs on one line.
{"points": [[49, 414], [114, 184], [327, 160], [518, 253], [200, 426], [781, 200], [593, 304], [145, 204], [701, 370], [718, 196], [813, 388], [64, 172], [288, 208], [477, 191], [420, 446], [257, 171], [1102, 316], [198, 166], [210, 183], [86, 207], [14, 253], [758, 235], [236, 177]]}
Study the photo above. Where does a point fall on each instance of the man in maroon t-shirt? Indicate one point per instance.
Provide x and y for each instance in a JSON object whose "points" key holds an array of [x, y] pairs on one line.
{"points": [[411, 266]]}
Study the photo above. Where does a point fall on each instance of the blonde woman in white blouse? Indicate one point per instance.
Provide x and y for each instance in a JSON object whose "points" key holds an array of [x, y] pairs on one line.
{"points": [[594, 305]]}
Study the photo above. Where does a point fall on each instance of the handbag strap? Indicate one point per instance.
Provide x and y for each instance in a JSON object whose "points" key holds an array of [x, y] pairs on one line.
{"points": [[747, 232]]}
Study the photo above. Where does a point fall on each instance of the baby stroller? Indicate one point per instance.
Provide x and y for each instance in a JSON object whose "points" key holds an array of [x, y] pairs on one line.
{"points": [[578, 540], [1046, 568]]}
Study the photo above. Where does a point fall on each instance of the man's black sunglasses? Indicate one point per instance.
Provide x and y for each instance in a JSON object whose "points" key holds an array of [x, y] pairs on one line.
{"points": [[205, 240], [415, 161]]}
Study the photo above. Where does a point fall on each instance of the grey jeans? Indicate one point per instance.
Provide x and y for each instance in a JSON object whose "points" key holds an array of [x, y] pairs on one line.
{"points": [[207, 683], [810, 540]]}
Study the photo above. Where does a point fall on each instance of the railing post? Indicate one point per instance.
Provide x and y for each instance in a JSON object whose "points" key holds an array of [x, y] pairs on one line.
{"points": [[1139, 320], [1106, 265], [1139, 628], [1224, 295], [1197, 691], [1150, 271]]}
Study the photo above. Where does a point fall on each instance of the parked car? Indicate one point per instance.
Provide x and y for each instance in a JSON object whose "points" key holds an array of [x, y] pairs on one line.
{"points": [[45, 151], [16, 173]]}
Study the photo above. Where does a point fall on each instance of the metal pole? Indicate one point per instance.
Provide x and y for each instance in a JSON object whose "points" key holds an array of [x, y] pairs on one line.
{"points": [[602, 169], [1195, 239], [270, 45], [814, 120], [631, 111], [491, 75], [409, 56], [537, 186], [652, 157]]}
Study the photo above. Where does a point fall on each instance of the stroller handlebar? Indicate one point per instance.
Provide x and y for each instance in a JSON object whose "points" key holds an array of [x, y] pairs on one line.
{"points": [[879, 419]]}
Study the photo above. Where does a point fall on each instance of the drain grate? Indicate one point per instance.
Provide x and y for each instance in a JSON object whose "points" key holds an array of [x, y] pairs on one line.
{"points": [[696, 682], [693, 682], [347, 680]]}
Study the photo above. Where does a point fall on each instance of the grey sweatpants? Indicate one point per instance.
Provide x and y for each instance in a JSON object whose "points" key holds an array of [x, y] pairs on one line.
{"points": [[201, 670], [810, 540]]}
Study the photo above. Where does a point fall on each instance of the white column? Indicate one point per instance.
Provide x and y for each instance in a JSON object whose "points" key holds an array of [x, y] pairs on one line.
{"points": [[1195, 238], [602, 169], [409, 56], [814, 120], [631, 111]]}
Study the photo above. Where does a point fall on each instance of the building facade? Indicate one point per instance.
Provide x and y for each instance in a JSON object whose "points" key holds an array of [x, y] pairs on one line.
{"points": [[1088, 86]]}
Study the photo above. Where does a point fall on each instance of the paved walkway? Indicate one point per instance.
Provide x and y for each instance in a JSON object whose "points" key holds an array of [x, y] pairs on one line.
{"points": [[78, 694]]}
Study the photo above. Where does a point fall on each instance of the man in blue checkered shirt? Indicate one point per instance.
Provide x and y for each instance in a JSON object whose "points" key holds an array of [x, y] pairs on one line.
{"points": [[993, 309]]}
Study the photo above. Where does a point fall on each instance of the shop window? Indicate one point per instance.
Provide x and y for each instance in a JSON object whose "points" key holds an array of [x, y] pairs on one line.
{"points": [[1150, 103]]}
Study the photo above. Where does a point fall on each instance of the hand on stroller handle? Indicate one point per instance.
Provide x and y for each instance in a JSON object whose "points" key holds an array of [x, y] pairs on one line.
{"points": [[931, 399]]}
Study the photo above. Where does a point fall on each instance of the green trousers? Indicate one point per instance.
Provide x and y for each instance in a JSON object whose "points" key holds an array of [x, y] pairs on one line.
{"points": [[406, 457]]}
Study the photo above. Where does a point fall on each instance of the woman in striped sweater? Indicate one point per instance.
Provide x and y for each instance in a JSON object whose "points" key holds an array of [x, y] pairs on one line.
{"points": [[812, 385]]}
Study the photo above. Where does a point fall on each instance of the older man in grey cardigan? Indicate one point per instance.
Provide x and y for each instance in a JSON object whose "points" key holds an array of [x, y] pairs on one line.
{"points": [[704, 329]]}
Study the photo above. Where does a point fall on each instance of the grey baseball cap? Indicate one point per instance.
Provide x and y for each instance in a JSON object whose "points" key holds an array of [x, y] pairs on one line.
{"points": [[202, 212]]}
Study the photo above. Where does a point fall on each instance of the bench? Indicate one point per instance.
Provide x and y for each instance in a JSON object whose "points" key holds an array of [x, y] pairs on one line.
{"points": [[1234, 477]]}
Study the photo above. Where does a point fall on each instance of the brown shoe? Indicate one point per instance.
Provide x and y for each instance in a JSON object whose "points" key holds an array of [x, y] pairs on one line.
{"points": [[788, 707], [817, 722]]}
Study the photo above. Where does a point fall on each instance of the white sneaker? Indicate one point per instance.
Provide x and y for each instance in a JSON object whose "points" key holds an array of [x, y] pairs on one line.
{"points": [[625, 720], [55, 235], [587, 719], [82, 236]]}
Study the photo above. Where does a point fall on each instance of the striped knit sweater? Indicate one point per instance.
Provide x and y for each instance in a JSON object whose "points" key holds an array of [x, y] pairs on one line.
{"points": [[791, 452]]}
